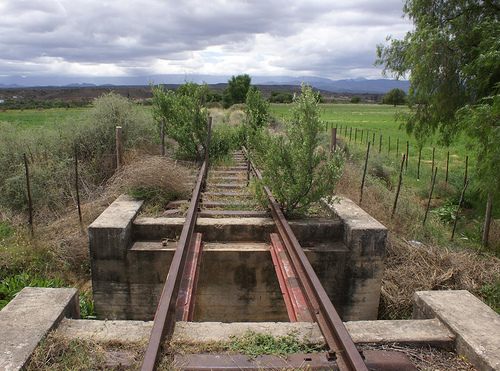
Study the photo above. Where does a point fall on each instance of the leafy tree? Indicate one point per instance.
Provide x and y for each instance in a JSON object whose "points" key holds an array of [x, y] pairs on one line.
{"points": [[355, 99], [256, 111], [395, 96], [236, 91], [295, 168], [281, 97], [452, 58], [184, 116]]}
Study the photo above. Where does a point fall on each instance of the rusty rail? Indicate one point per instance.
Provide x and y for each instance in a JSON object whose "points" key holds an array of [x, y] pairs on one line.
{"points": [[339, 341], [165, 316]]}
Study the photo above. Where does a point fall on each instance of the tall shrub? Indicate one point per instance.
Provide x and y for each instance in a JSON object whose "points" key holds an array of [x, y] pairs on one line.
{"points": [[184, 115], [295, 168]]}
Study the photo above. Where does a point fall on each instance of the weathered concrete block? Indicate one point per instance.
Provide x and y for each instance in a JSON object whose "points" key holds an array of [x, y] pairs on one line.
{"points": [[110, 234], [26, 320], [366, 239], [475, 325]]}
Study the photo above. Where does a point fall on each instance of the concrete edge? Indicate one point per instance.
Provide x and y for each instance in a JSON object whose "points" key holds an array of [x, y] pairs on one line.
{"points": [[28, 318], [475, 325]]}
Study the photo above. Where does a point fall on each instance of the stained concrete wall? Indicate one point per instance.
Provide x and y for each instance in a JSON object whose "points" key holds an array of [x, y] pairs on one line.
{"points": [[236, 283], [365, 238]]}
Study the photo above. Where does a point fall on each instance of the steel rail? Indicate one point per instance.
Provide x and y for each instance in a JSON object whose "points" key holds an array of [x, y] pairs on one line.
{"points": [[164, 320], [336, 336]]}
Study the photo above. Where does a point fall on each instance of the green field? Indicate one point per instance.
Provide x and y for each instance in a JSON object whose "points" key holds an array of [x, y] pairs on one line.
{"points": [[380, 120], [32, 118]]}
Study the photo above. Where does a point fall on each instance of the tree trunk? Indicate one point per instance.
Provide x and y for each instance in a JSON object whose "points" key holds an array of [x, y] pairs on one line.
{"points": [[487, 220]]}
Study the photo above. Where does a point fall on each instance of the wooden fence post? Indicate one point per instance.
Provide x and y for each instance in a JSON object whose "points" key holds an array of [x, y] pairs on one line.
{"points": [[389, 146], [397, 146], [362, 134], [407, 154], [433, 158], [355, 135], [333, 142], [350, 134], [28, 192], [119, 147], [373, 139], [458, 210], [77, 187], [447, 165], [430, 195], [466, 168], [418, 165], [487, 220], [364, 173], [399, 186], [380, 144], [162, 137]]}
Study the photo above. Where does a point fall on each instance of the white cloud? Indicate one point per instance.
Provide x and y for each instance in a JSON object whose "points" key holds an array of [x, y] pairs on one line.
{"points": [[98, 37]]}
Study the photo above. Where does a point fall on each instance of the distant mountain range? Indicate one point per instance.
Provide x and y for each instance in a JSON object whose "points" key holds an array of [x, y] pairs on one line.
{"points": [[360, 85]]}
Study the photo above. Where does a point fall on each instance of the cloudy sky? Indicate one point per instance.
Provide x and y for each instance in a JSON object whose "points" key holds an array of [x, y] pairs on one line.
{"points": [[334, 39]]}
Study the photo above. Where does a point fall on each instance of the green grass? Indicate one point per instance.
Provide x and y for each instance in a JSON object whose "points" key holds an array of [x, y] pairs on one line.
{"points": [[47, 118], [380, 120]]}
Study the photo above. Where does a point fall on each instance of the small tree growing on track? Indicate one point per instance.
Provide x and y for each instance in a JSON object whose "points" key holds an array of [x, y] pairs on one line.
{"points": [[185, 116], [256, 115], [298, 172]]}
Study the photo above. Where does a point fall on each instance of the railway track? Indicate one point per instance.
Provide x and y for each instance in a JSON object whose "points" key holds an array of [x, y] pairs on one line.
{"points": [[222, 192]]}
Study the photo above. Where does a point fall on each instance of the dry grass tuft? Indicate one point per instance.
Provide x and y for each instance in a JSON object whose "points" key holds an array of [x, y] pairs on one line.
{"points": [[160, 178], [151, 172], [435, 264], [414, 267]]}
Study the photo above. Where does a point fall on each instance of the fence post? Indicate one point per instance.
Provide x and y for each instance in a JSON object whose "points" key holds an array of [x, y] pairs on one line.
{"points": [[119, 147], [466, 168], [407, 154], [350, 135], [389, 146], [209, 134], [418, 165], [399, 186], [397, 146], [77, 187], [447, 165], [362, 134], [380, 144], [364, 174], [162, 137], [373, 139], [333, 143], [433, 157], [487, 220], [355, 135], [28, 192], [458, 210], [430, 195]]}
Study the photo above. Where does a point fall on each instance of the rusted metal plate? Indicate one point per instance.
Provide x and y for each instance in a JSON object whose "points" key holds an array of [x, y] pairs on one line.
{"points": [[381, 360], [187, 289], [295, 301], [227, 362]]}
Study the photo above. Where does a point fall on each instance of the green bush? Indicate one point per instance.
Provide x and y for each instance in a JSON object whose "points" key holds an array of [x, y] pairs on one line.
{"points": [[295, 167], [355, 99], [50, 154], [185, 116], [225, 138]]}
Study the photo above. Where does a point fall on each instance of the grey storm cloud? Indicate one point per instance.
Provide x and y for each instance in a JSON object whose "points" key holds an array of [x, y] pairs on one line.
{"points": [[158, 36]]}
